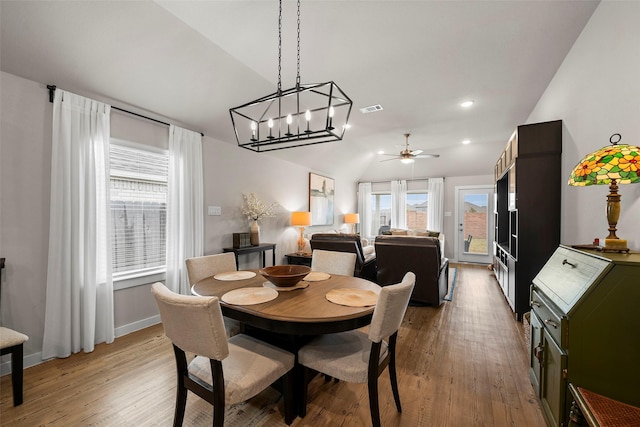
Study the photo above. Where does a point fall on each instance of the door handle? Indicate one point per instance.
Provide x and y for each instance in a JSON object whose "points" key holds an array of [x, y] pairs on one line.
{"points": [[551, 323]]}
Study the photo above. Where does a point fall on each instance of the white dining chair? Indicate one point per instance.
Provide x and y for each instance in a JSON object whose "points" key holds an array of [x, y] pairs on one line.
{"points": [[225, 370], [199, 268], [333, 262], [360, 357]]}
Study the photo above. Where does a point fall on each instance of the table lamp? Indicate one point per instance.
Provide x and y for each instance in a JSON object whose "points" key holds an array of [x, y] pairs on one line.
{"points": [[614, 164], [301, 220], [353, 219]]}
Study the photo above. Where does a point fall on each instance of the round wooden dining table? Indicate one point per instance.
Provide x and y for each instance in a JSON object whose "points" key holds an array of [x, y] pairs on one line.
{"points": [[294, 312]]}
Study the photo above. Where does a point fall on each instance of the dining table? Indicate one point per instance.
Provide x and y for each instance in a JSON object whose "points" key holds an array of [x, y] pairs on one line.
{"points": [[296, 314], [304, 311]]}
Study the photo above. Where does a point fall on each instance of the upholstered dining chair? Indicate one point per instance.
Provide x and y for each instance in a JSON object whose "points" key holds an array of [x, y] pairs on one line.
{"points": [[333, 262], [12, 342], [199, 268], [225, 370], [358, 356]]}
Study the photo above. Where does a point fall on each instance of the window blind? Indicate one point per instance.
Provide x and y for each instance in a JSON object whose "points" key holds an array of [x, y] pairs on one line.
{"points": [[138, 188]]}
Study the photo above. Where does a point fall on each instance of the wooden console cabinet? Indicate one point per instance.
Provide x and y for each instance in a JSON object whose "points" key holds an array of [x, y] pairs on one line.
{"points": [[527, 208]]}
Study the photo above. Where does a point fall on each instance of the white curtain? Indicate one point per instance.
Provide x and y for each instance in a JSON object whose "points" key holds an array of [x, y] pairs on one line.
{"points": [[399, 204], [79, 296], [364, 209], [185, 205], [435, 206]]}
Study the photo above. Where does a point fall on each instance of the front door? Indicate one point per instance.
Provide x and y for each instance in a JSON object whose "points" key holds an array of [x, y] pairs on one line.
{"points": [[474, 219]]}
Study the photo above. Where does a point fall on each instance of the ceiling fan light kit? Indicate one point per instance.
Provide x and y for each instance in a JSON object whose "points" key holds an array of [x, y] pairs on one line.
{"points": [[303, 115], [407, 156]]}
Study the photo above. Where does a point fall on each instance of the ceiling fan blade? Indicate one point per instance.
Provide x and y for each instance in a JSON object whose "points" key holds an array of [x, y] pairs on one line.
{"points": [[427, 156], [416, 152], [394, 158], [394, 155]]}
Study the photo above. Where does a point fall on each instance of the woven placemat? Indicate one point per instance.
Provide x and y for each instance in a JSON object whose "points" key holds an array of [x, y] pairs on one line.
{"points": [[352, 297], [249, 296], [235, 275], [316, 276], [299, 285]]}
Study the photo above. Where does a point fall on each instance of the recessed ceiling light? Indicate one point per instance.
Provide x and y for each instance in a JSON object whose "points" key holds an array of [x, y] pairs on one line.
{"points": [[381, 152], [467, 104], [466, 141]]}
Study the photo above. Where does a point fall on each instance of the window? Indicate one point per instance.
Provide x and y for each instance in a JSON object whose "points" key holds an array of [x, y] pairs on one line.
{"points": [[416, 209], [138, 187], [381, 212]]}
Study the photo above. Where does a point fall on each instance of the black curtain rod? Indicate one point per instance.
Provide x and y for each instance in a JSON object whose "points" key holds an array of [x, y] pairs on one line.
{"points": [[52, 91]]}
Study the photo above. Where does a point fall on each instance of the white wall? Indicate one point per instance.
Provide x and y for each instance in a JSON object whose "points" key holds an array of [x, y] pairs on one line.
{"points": [[596, 92], [25, 164]]}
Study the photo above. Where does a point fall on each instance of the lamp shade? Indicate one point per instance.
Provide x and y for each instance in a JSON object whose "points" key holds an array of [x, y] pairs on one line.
{"points": [[612, 165], [300, 219], [613, 162], [351, 218]]}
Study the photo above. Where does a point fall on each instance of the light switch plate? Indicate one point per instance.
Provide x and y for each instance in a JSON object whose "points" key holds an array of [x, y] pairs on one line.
{"points": [[214, 210]]}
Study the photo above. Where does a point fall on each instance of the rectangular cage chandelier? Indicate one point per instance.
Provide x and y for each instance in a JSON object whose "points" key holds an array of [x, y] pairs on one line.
{"points": [[303, 115]]}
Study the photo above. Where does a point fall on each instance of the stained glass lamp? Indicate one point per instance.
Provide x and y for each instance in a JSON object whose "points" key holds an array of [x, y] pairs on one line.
{"points": [[614, 164]]}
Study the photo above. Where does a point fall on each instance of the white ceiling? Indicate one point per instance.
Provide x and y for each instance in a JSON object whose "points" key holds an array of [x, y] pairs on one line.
{"points": [[190, 61]]}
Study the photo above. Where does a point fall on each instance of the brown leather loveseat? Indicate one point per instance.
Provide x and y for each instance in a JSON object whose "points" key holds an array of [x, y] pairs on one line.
{"points": [[340, 242], [395, 255]]}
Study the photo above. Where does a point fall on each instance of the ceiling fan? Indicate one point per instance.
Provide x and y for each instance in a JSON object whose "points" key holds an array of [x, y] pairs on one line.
{"points": [[409, 156]]}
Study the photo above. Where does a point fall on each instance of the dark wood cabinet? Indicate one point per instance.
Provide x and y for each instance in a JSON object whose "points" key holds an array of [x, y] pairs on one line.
{"points": [[527, 210]]}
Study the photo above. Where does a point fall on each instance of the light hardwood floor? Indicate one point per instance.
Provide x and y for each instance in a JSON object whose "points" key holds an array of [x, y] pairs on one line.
{"points": [[463, 364]]}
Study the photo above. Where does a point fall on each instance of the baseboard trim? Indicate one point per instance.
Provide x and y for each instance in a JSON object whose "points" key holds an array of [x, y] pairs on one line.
{"points": [[36, 358]]}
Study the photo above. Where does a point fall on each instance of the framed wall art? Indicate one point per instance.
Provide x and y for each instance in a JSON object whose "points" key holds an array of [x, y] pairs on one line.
{"points": [[321, 199]]}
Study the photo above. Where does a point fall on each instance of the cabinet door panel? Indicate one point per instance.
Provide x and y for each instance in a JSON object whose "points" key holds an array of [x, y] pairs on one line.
{"points": [[553, 388]]}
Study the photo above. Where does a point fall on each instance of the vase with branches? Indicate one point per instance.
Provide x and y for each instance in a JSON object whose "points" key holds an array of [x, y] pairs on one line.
{"points": [[255, 210]]}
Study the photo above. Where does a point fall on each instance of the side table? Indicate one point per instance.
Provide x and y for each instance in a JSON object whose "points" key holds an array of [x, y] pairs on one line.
{"points": [[296, 258], [261, 248]]}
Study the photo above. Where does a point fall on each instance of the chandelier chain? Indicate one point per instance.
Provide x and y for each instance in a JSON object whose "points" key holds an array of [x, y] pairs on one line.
{"points": [[298, 58], [280, 48]]}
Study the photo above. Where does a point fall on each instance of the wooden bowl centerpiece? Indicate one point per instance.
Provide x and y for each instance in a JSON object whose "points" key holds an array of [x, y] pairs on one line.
{"points": [[285, 276]]}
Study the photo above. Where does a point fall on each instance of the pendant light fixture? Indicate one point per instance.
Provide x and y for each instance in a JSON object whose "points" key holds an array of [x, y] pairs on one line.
{"points": [[303, 115]]}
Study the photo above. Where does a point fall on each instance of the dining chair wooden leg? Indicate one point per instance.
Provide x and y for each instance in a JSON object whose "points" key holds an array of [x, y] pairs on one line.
{"points": [[373, 401], [288, 390], [17, 373], [181, 389], [392, 371], [302, 374], [218, 393]]}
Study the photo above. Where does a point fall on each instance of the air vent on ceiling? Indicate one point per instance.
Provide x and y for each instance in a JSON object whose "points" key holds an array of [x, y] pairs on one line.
{"points": [[371, 109]]}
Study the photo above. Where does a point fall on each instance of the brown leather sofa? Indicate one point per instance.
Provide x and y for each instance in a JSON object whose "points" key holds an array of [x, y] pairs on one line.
{"points": [[395, 255], [365, 264]]}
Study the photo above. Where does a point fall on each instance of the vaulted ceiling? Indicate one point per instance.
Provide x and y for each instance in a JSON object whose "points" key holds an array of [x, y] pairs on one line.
{"points": [[190, 61]]}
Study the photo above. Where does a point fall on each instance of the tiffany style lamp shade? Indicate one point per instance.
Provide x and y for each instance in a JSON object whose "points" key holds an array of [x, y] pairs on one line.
{"points": [[614, 164]]}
